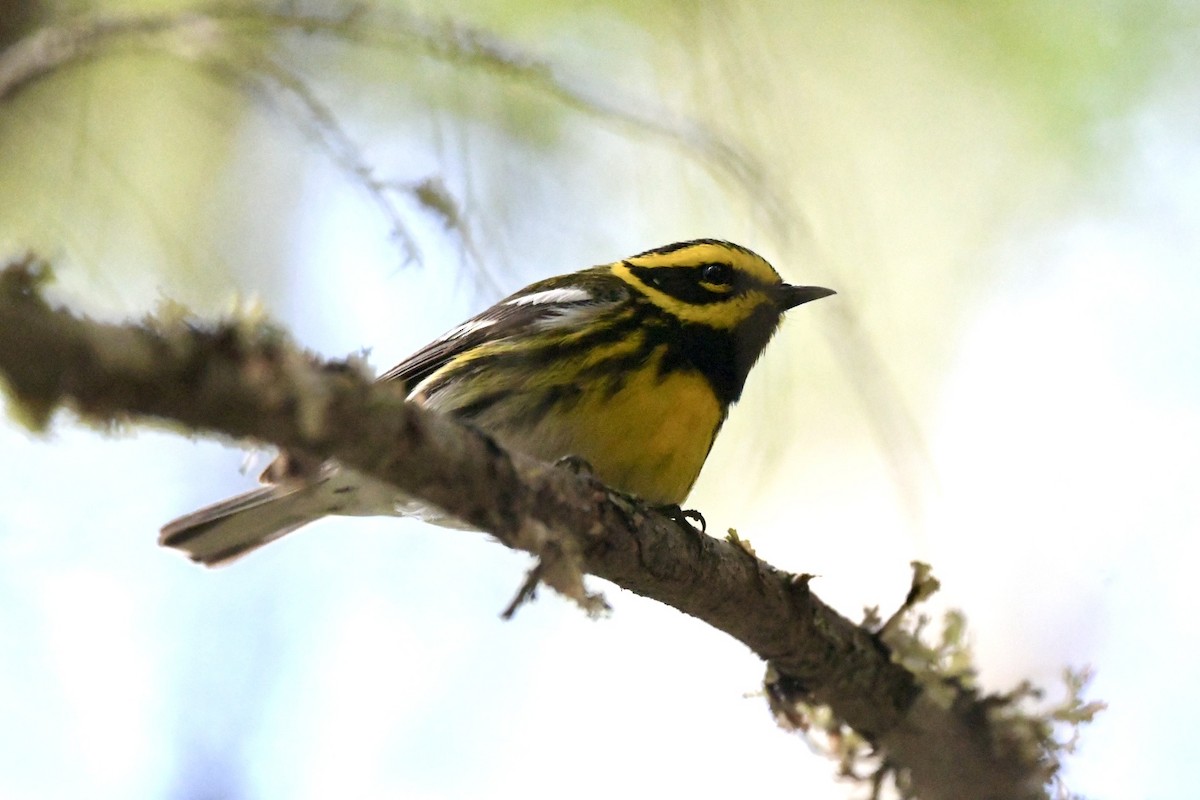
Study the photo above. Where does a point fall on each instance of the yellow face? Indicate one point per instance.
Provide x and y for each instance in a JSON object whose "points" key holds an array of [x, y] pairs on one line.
{"points": [[715, 284]]}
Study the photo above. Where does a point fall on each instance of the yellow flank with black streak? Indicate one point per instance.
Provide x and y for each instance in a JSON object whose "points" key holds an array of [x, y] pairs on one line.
{"points": [[649, 437]]}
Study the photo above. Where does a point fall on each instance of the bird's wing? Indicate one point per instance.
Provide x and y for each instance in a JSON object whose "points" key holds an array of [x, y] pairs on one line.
{"points": [[548, 304]]}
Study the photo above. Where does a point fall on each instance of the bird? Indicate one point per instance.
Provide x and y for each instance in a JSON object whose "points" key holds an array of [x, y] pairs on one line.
{"points": [[629, 368]]}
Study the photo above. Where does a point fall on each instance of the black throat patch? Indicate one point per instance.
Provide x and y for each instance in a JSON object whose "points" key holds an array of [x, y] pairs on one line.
{"points": [[723, 357]]}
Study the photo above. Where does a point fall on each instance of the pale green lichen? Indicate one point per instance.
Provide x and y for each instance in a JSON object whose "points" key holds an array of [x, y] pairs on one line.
{"points": [[742, 544], [942, 663]]}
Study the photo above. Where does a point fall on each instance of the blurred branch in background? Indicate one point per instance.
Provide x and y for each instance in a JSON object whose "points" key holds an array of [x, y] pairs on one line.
{"points": [[233, 41]]}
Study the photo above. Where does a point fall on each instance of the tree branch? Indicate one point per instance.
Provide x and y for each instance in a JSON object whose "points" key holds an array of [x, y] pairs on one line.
{"points": [[246, 380]]}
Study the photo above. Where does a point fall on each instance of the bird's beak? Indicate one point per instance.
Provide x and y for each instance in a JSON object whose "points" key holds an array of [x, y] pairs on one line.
{"points": [[792, 296]]}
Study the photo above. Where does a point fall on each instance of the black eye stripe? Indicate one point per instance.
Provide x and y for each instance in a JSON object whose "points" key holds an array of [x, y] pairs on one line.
{"points": [[690, 284]]}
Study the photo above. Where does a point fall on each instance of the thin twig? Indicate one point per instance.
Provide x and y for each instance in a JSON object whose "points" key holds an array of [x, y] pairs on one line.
{"points": [[527, 592]]}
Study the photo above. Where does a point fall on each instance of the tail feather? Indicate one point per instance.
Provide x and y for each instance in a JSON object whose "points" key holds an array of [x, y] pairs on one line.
{"points": [[227, 530], [224, 531]]}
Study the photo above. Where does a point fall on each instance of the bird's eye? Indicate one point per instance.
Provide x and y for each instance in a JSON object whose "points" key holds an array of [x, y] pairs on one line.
{"points": [[720, 274]]}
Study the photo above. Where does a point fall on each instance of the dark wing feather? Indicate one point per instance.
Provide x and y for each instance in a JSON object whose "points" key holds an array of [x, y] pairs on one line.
{"points": [[543, 301], [433, 356]]}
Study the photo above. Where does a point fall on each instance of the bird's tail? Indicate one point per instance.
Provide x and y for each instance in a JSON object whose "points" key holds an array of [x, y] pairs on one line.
{"points": [[227, 530]]}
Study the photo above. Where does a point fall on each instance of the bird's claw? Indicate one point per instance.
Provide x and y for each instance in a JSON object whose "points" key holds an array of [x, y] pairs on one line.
{"points": [[688, 518]]}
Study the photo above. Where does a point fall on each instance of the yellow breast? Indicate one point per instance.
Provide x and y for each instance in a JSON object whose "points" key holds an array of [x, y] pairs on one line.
{"points": [[650, 437]]}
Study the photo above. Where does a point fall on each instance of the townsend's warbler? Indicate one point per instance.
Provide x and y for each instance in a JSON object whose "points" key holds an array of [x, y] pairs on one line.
{"points": [[631, 367]]}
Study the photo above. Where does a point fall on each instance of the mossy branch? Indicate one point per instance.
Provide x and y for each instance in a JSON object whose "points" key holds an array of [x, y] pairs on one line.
{"points": [[247, 381]]}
